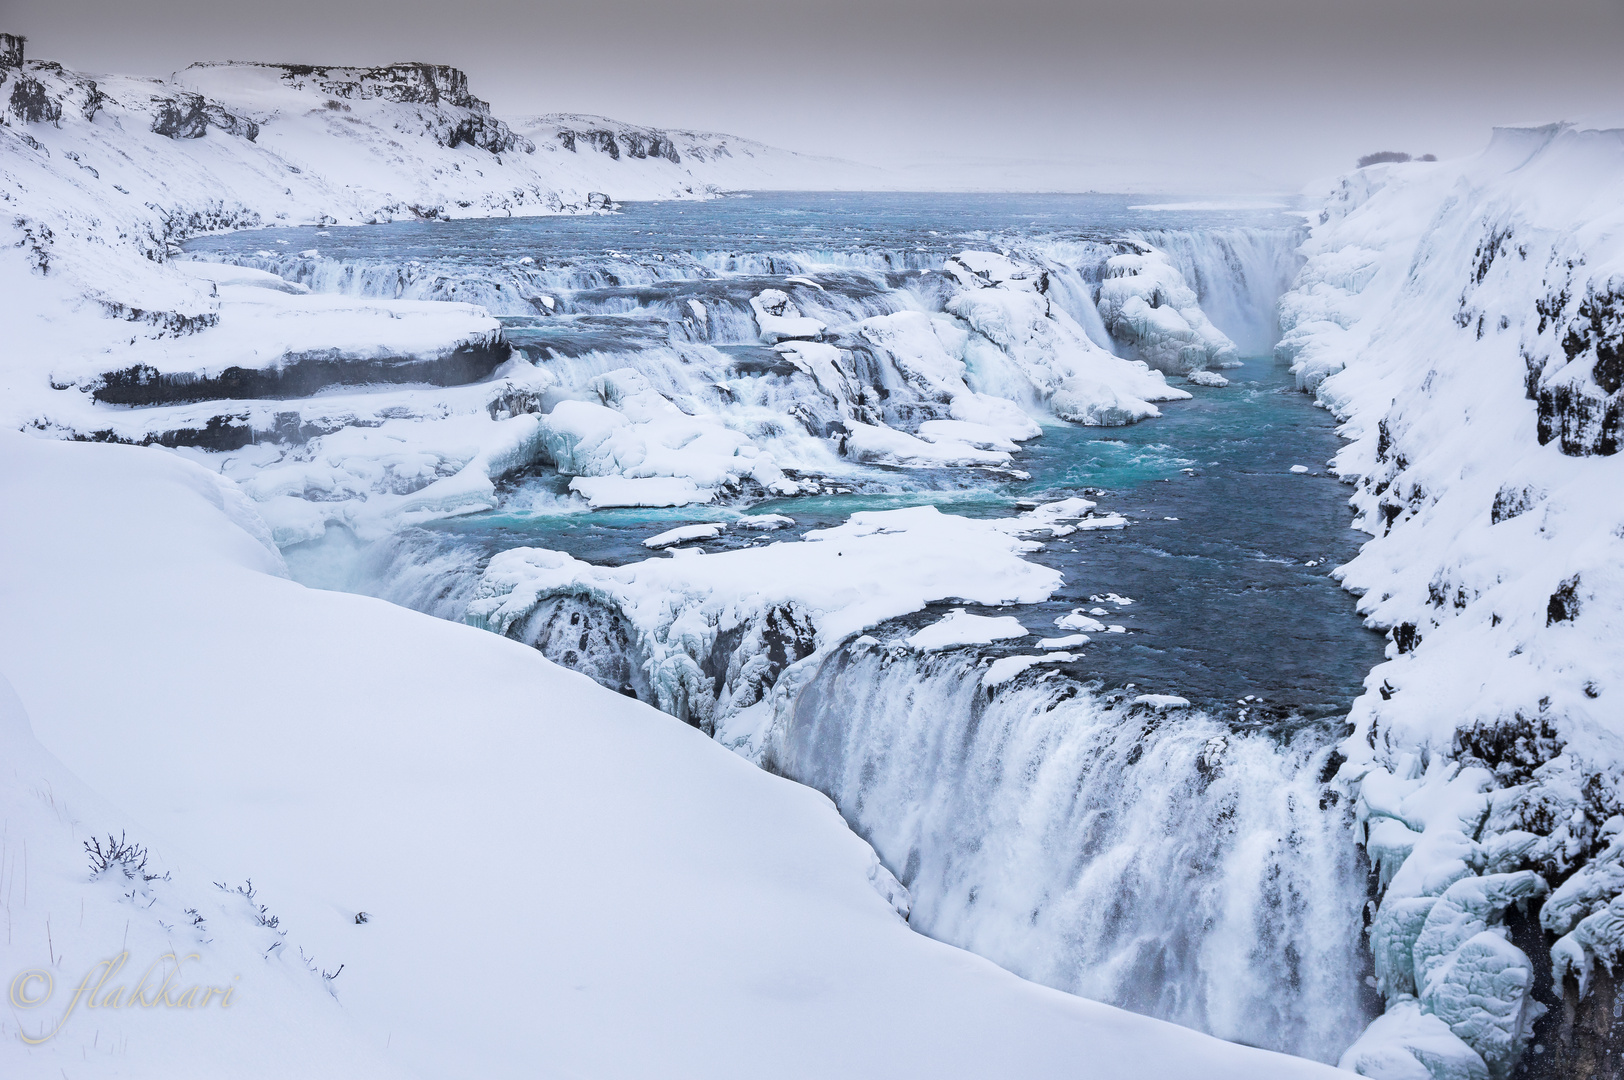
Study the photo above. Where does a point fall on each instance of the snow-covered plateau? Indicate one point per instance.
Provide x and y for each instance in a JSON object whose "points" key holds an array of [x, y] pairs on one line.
{"points": [[505, 402]]}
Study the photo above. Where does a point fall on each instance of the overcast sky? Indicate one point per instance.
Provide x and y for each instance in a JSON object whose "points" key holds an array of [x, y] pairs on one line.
{"points": [[1173, 95]]}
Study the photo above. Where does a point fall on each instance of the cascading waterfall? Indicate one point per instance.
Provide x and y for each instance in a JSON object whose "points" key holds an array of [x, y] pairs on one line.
{"points": [[1238, 274], [1166, 863]]}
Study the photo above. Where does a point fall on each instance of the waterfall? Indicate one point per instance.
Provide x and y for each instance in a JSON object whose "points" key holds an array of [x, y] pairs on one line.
{"points": [[1166, 863], [1238, 274]]}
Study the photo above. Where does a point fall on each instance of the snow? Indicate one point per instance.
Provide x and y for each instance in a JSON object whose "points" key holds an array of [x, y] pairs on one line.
{"points": [[1005, 668], [764, 522], [606, 492], [780, 319], [684, 533], [1162, 702], [481, 805], [1079, 621], [959, 628], [1437, 315], [822, 589]]}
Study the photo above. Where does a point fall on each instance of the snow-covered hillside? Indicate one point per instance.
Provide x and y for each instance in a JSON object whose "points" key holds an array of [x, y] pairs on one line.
{"points": [[1466, 319]]}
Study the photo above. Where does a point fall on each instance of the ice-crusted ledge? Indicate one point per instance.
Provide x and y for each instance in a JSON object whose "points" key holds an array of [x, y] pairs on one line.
{"points": [[1463, 320], [723, 639]]}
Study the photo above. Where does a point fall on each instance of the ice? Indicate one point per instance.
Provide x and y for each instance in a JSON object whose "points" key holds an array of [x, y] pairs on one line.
{"points": [[1408, 1044], [808, 595], [605, 492], [1162, 702], [1079, 621], [1149, 308], [764, 522], [779, 318], [959, 628], [684, 533]]}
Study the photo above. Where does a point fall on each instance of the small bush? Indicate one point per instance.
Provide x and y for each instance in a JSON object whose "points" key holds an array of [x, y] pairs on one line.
{"points": [[129, 859]]}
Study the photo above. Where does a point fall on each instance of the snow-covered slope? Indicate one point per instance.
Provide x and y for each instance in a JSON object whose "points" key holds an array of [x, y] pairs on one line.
{"points": [[556, 879], [1466, 319]]}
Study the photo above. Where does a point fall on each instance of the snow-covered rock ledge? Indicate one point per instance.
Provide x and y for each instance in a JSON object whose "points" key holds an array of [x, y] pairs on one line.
{"points": [[1466, 321], [725, 640]]}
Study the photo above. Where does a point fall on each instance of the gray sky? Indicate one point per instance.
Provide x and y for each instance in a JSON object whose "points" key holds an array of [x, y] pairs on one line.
{"points": [[1173, 95]]}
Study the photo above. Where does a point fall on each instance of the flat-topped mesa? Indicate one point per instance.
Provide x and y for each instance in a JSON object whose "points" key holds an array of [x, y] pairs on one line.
{"points": [[406, 83], [11, 50], [461, 117]]}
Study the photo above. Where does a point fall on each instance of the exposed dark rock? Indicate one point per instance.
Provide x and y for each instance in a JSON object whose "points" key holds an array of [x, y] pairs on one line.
{"points": [[1406, 636], [597, 200], [168, 323], [11, 50], [1576, 368], [436, 86], [298, 376], [1564, 604], [1582, 1038], [220, 433], [637, 143], [189, 116], [1510, 502], [33, 104], [1510, 749]]}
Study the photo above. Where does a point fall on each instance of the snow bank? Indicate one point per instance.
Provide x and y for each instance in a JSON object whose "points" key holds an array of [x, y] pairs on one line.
{"points": [[959, 628]]}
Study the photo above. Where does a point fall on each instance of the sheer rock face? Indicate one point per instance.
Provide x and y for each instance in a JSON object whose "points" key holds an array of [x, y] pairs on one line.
{"points": [[11, 50], [1576, 364], [637, 143]]}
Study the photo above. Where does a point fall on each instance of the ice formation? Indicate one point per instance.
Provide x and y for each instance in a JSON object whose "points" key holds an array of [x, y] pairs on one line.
{"points": [[722, 639]]}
